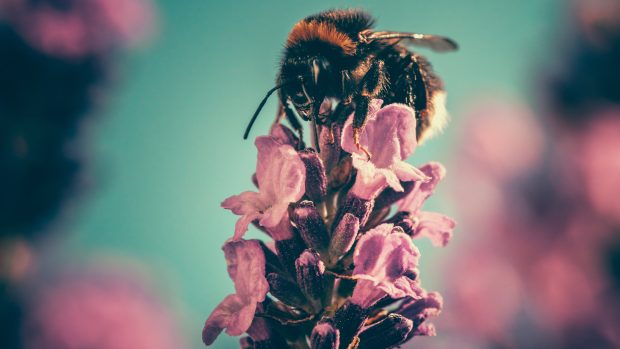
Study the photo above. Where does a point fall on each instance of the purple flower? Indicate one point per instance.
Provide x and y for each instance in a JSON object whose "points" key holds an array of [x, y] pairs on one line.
{"points": [[436, 226], [246, 267], [390, 138], [281, 176], [386, 262]]}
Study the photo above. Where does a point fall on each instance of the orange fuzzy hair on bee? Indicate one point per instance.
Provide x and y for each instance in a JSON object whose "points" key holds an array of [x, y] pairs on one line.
{"points": [[305, 31]]}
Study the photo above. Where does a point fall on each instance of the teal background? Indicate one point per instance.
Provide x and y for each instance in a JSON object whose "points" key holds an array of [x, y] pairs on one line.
{"points": [[168, 149]]}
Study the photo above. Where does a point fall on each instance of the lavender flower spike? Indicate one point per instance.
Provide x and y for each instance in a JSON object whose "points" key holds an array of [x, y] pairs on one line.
{"points": [[281, 177], [386, 265], [340, 273], [390, 137], [246, 267]]}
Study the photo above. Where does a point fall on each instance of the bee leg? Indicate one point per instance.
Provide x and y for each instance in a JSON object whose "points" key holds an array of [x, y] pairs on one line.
{"points": [[359, 121], [292, 118], [342, 112], [332, 137], [371, 87]]}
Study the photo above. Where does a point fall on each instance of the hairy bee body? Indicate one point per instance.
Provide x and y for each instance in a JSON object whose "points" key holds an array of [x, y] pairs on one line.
{"points": [[337, 55]]}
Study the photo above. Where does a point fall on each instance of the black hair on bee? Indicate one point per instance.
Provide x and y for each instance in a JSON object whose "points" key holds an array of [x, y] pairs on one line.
{"points": [[337, 55]]}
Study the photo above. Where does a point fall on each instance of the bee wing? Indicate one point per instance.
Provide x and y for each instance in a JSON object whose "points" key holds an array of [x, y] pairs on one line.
{"points": [[434, 42]]}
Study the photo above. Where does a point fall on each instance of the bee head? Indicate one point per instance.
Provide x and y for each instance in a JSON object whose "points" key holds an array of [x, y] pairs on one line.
{"points": [[307, 84]]}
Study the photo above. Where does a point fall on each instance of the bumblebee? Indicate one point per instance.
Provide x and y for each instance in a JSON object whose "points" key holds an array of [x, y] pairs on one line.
{"points": [[336, 55]]}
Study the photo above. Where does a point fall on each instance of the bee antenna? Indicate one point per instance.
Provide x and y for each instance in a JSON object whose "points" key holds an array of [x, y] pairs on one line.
{"points": [[260, 107]]}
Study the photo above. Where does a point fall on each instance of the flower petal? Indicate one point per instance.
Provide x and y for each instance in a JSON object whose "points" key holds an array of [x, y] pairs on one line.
{"points": [[390, 137], [280, 172], [232, 314], [369, 182], [407, 172], [416, 198], [241, 227], [244, 203], [246, 267], [273, 215], [436, 226], [386, 264]]}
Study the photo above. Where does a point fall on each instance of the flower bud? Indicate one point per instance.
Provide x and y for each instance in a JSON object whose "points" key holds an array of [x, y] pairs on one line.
{"points": [[285, 290], [316, 180], [288, 251], [311, 277], [358, 207], [343, 237], [349, 319], [325, 336], [310, 225], [386, 333]]}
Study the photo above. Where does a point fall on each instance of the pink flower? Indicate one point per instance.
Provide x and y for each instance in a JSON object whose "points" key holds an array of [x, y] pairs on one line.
{"points": [[81, 28], [597, 159], [386, 264], [98, 309], [246, 267], [390, 138], [281, 177], [502, 139], [436, 226]]}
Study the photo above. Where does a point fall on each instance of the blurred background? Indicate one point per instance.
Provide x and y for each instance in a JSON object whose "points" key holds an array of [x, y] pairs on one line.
{"points": [[120, 134]]}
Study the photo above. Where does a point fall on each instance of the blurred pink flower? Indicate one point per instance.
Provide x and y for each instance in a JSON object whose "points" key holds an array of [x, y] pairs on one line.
{"points": [[485, 288], [246, 267], [599, 162], [390, 138], [386, 263], [78, 28], [281, 176], [103, 309], [502, 139]]}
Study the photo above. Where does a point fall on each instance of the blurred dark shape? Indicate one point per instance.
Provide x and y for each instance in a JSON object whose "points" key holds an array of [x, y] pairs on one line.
{"points": [[589, 75], [42, 102], [11, 318], [55, 62]]}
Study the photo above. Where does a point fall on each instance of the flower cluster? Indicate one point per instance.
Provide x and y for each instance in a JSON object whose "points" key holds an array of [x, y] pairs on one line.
{"points": [[341, 272]]}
